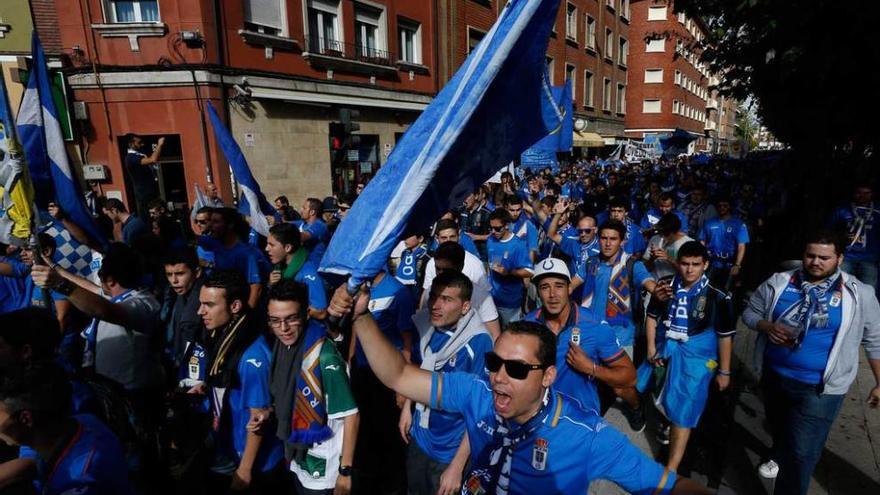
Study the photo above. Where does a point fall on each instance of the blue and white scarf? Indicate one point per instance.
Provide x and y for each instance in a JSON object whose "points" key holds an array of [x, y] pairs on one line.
{"points": [[812, 310], [679, 308], [90, 334]]}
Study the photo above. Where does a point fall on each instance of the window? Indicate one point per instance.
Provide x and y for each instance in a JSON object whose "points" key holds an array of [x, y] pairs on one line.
{"points": [[550, 69], [609, 44], [135, 10], [571, 75], [677, 77], [651, 106], [474, 38], [369, 35], [681, 17], [654, 46], [264, 16], [324, 32], [621, 98], [571, 24], [606, 94], [610, 4], [675, 106], [653, 75], [624, 9], [622, 52], [588, 88], [591, 33], [657, 13], [410, 41]]}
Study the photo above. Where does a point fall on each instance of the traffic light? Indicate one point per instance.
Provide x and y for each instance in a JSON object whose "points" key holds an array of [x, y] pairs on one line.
{"points": [[338, 139], [347, 117]]}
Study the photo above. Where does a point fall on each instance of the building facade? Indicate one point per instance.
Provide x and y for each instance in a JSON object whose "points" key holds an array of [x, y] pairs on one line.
{"points": [[670, 89], [17, 20], [278, 72]]}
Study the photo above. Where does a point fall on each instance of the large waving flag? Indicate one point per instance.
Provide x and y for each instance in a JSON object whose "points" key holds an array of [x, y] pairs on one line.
{"points": [[16, 191], [252, 202], [488, 114], [559, 139], [44, 148], [566, 132]]}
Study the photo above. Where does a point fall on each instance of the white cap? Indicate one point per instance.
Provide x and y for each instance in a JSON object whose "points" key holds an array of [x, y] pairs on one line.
{"points": [[551, 266]]}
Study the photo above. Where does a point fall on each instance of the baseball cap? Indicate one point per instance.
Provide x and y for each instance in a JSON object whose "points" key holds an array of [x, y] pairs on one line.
{"points": [[329, 205], [551, 267]]}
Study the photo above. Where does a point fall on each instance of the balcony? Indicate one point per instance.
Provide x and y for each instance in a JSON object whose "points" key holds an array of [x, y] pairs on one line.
{"points": [[711, 125], [711, 104], [334, 54]]}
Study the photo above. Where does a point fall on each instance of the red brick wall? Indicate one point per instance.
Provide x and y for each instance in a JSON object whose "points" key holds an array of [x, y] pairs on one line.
{"points": [[45, 20]]}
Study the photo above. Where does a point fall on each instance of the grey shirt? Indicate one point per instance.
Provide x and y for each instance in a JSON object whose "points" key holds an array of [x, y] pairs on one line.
{"points": [[129, 354]]}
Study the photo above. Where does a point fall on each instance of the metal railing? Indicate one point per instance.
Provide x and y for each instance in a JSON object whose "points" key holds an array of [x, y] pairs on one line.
{"points": [[349, 51]]}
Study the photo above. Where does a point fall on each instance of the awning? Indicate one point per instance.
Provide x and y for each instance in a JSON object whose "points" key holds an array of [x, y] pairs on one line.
{"points": [[588, 140]]}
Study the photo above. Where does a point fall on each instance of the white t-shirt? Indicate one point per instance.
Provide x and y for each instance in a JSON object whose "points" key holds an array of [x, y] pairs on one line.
{"points": [[481, 299], [130, 355], [664, 268]]}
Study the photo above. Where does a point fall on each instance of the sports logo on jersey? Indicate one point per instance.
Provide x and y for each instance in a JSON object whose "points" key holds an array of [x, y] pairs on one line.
{"points": [[254, 362], [539, 454], [576, 336], [194, 367], [452, 361], [835, 299]]}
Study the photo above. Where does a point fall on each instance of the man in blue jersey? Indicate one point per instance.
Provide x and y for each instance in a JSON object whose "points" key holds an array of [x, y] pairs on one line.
{"points": [[587, 351], [525, 437], [726, 237], [447, 230], [578, 250], [691, 335], [237, 365], [17, 289], [811, 323], [408, 267], [231, 253], [75, 454], [313, 231], [451, 338], [521, 225], [665, 204], [859, 220], [634, 242], [510, 263], [291, 262], [130, 227]]}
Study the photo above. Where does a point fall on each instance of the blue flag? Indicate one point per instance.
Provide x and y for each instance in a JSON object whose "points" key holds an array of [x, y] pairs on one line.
{"points": [[566, 133], [44, 149], [488, 114], [252, 202], [558, 140]]}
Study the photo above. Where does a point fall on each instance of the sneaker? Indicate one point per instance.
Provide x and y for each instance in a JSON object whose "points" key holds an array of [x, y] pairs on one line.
{"points": [[635, 418], [769, 469], [663, 435]]}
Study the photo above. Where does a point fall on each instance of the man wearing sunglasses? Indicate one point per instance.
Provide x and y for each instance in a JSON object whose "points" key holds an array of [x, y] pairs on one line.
{"points": [[586, 351], [525, 437], [509, 264], [579, 250]]}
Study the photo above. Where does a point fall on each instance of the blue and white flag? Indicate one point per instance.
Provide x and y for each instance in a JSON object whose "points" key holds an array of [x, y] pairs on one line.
{"points": [[252, 202], [488, 114], [200, 202], [543, 153], [566, 106], [43, 143]]}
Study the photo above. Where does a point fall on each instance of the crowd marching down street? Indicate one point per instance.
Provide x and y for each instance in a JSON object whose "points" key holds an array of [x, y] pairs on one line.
{"points": [[390, 342]]}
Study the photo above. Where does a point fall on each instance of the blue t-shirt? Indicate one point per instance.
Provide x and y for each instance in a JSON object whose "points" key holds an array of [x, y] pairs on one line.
{"points": [[512, 254], [317, 244], [241, 257], [599, 344], [624, 328], [807, 363], [635, 242], [92, 463], [18, 291], [654, 215], [865, 246], [308, 275], [722, 238], [525, 229], [392, 307], [464, 240], [570, 447], [445, 429], [252, 393], [407, 271], [133, 229], [578, 252]]}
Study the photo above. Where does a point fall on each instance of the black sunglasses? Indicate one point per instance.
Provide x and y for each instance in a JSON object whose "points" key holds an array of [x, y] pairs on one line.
{"points": [[586, 231], [515, 369], [496, 229]]}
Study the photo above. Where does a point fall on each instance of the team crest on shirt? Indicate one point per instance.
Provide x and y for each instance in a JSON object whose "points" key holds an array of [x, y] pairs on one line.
{"points": [[701, 307], [194, 368], [539, 454], [451, 361], [835, 299], [576, 336]]}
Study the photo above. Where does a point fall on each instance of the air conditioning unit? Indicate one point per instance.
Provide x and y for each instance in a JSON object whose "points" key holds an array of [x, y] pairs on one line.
{"points": [[94, 172]]}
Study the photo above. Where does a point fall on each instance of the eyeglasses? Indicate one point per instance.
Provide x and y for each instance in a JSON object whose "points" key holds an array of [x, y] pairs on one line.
{"points": [[496, 229], [288, 322], [515, 369], [586, 231]]}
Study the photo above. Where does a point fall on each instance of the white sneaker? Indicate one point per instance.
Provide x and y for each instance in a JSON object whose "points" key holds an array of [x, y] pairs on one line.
{"points": [[769, 469]]}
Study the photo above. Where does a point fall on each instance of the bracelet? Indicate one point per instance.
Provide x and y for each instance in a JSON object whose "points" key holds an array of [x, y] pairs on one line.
{"points": [[724, 373], [593, 374]]}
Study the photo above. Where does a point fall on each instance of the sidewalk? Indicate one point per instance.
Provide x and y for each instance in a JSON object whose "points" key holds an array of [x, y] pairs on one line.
{"points": [[850, 464]]}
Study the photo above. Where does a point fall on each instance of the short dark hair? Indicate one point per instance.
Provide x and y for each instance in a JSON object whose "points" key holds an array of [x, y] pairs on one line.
{"points": [[546, 339], [43, 389], [825, 236], [290, 290], [115, 204], [46, 241], [205, 210], [618, 202], [36, 327], [156, 203], [456, 280], [500, 214], [512, 199], [233, 282], [615, 225], [693, 249], [317, 205], [452, 252], [668, 224], [666, 196], [445, 224], [182, 256], [283, 200], [286, 233], [130, 137], [123, 264]]}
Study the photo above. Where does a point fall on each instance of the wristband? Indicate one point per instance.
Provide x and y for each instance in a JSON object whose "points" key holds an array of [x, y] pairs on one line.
{"points": [[724, 373]]}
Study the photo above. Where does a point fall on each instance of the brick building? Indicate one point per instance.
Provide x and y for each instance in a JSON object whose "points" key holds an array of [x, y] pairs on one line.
{"points": [[17, 21], [278, 71], [670, 88], [589, 45]]}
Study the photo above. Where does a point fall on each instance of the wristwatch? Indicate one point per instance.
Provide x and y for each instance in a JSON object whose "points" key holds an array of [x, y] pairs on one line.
{"points": [[344, 470]]}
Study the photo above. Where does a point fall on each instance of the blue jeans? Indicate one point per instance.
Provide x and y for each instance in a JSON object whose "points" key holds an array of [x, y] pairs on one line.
{"points": [[865, 271], [800, 418]]}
